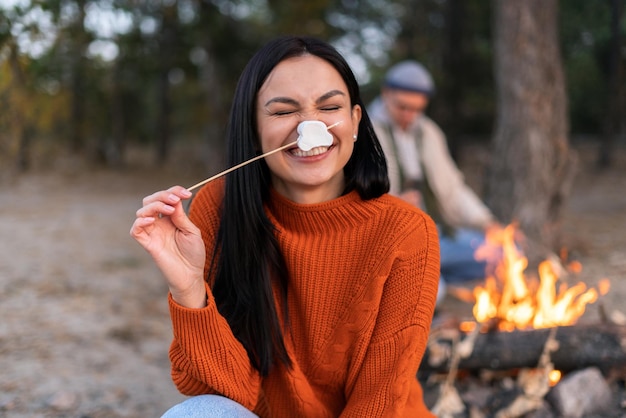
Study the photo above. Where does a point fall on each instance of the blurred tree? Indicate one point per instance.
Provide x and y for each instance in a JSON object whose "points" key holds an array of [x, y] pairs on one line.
{"points": [[452, 38], [465, 106], [222, 41], [583, 27], [18, 89], [592, 37], [167, 39], [293, 17], [170, 78], [19, 110], [616, 113], [532, 166], [117, 148], [78, 39], [455, 51]]}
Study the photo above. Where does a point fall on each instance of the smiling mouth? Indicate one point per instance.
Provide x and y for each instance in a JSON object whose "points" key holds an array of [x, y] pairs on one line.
{"points": [[297, 152]]}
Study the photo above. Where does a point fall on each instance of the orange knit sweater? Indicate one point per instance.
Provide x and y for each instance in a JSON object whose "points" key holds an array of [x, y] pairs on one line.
{"points": [[363, 282]]}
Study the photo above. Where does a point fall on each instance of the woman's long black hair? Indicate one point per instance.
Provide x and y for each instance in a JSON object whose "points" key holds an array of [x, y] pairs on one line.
{"points": [[247, 258]]}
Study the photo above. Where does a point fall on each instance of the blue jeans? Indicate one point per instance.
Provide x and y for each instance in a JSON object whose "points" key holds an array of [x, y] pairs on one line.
{"points": [[457, 255], [203, 406], [457, 258]]}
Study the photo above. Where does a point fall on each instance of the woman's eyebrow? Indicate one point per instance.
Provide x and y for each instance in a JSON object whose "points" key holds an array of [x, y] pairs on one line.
{"points": [[285, 100], [330, 94], [290, 101]]}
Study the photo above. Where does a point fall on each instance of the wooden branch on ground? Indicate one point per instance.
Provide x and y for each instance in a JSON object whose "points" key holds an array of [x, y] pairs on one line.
{"points": [[580, 346]]}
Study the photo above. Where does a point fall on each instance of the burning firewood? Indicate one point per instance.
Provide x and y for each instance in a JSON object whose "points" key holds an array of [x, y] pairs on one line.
{"points": [[535, 383], [511, 298], [518, 312], [525, 326], [581, 345], [449, 403]]}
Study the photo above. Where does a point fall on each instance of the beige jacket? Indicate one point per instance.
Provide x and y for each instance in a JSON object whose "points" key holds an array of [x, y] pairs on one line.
{"points": [[458, 203]]}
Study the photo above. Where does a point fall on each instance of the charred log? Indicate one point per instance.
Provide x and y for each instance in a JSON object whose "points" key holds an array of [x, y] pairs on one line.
{"points": [[579, 346]]}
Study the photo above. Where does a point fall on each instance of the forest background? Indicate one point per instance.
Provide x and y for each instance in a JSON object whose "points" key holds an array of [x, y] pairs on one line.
{"points": [[103, 102], [96, 79]]}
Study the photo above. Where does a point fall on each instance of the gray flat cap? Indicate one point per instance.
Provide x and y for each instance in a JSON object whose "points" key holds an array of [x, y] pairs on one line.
{"points": [[411, 76]]}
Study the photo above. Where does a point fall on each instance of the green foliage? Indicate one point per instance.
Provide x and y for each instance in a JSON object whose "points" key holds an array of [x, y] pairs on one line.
{"points": [[585, 36], [185, 56]]}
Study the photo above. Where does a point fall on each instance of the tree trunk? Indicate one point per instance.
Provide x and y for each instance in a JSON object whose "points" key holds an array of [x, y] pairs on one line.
{"points": [[454, 53], [167, 39], [19, 117], [117, 149], [615, 114], [214, 130], [77, 82], [532, 166]]}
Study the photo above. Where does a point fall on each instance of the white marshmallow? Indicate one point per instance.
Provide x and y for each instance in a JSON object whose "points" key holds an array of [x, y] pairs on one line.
{"points": [[313, 133]]}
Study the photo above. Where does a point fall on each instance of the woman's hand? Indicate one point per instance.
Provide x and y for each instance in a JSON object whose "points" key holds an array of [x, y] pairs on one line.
{"points": [[175, 243]]}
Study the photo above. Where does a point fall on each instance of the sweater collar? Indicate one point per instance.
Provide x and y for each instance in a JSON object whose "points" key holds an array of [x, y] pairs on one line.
{"points": [[335, 214]]}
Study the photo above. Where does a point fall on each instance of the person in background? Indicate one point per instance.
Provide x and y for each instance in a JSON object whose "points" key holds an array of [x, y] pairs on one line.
{"points": [[298, 287], [422, 172]]}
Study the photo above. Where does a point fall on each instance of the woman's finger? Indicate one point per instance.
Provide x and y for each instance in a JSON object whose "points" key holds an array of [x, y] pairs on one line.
{"points": [[140, 229], [172, 195], [155, 209], [163, 203]]}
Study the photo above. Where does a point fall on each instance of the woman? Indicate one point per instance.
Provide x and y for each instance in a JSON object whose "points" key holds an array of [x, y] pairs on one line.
{"points": [[298, 287]]}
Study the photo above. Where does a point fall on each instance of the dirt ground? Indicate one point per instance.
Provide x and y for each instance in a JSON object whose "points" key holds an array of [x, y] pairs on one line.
{"points": [[84, 329]]}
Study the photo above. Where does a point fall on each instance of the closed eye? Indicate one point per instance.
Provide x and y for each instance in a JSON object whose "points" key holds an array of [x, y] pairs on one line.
{"points": [[283, 112]]}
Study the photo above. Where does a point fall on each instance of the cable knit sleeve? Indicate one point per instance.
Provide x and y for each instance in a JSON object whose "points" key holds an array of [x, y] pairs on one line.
{"points": [[383, 379], [205, 355]]}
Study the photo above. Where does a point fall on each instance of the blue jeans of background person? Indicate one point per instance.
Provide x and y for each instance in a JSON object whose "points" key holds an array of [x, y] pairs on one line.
{"points": [[457, 255], [457, 258], [213, 406]]}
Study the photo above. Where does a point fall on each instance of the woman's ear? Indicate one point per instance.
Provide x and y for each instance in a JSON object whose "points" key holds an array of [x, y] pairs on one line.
{"points": [[356, 116]]}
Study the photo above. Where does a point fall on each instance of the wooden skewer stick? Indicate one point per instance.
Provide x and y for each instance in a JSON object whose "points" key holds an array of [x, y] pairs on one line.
{"points": [[233, 168], [258, 157]]}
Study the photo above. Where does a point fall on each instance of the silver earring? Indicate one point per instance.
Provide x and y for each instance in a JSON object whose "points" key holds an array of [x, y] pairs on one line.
{"points": [[354, 137]]}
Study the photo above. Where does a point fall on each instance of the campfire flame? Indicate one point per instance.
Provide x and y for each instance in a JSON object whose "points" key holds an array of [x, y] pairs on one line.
{"points": [[554, 377], [514, 301]]}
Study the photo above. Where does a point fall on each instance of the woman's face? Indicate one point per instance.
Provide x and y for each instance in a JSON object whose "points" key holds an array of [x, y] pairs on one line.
{"points": [[299, 89]]}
